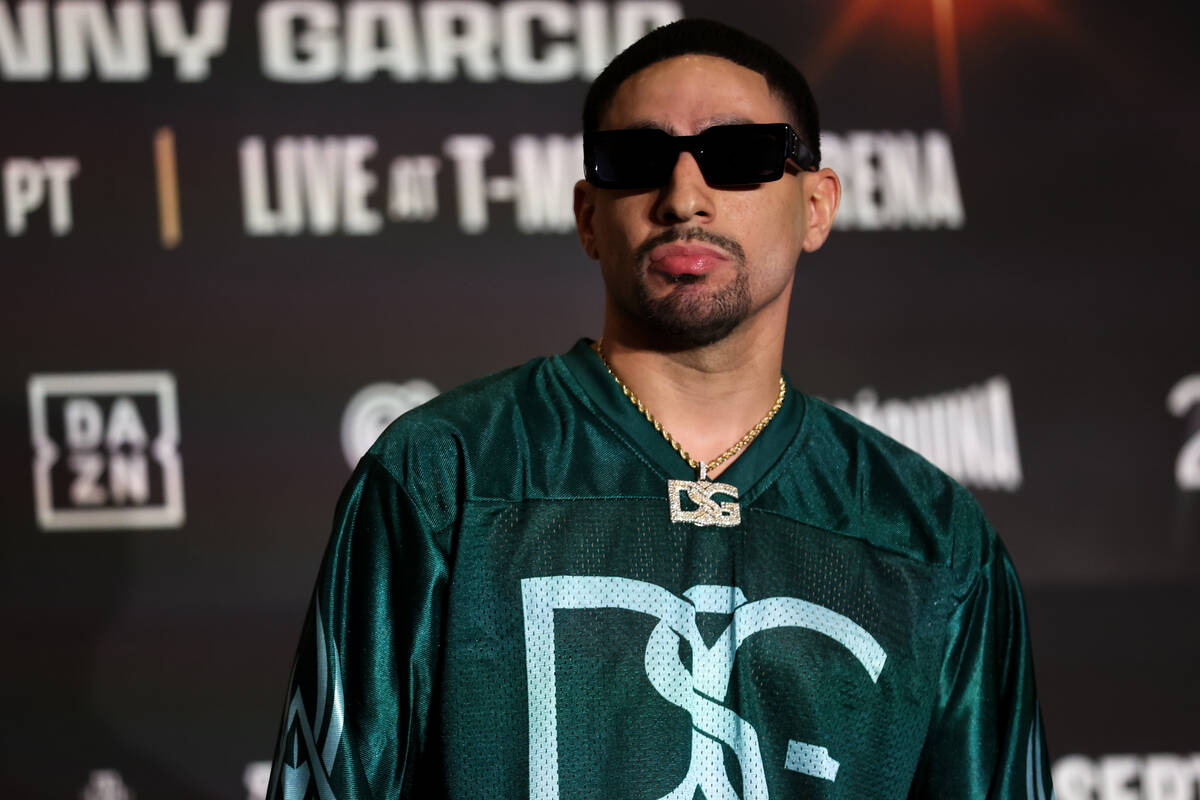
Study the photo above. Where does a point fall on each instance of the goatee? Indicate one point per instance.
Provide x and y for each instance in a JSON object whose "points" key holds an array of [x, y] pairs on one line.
{"points": [[689, 316]]}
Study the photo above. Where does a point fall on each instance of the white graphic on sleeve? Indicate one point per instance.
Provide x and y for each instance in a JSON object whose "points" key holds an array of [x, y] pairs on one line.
{"points": [[699, 692], [305, 732], [1035, 781]]}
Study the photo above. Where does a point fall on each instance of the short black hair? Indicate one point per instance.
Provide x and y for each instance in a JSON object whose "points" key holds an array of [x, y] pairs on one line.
{"points": [[710, 38]]}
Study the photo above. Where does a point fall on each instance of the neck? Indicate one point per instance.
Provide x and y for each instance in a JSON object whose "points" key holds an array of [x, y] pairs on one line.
{"points": [[706, 397]]}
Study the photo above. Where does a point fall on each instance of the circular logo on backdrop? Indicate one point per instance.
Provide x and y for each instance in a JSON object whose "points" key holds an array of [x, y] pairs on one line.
{"points": [[374, 407]]}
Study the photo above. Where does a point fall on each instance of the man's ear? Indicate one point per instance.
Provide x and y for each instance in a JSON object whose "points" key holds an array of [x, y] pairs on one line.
{"points": [[585, 211], [823, 193]]}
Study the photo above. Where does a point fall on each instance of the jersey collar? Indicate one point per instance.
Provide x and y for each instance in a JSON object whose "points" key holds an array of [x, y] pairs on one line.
{"points": [[747, 472]]}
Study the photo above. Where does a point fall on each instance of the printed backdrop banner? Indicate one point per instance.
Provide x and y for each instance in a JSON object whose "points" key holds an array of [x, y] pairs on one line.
{"points": [[238, 239]]}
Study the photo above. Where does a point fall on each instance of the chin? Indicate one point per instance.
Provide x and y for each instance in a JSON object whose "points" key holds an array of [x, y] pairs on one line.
{"points": [[688, 322]]}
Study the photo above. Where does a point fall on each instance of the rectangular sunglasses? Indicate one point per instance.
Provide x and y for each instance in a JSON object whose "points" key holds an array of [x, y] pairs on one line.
{"points": [[728, 155]]}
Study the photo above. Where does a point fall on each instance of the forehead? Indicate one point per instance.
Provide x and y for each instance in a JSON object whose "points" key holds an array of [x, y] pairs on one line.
{"points": [[686, 94]]}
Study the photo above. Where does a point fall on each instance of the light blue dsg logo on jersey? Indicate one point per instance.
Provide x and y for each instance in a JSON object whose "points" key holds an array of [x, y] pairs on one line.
{"points": [[698, 692]]}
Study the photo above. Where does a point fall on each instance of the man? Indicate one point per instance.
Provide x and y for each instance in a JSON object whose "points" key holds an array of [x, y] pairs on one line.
{"points": [[651, 567]]}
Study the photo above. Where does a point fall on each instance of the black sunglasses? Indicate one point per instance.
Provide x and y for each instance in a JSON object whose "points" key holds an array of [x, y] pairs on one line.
{"points": [[728, 155]]}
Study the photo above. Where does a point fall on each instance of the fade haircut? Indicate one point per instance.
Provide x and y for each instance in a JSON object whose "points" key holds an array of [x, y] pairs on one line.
{"points": [[709, 38]]}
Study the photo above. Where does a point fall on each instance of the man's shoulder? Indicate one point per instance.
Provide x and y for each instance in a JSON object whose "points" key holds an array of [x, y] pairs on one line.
{"points": [[878, 489], [875, 455], [451, 447], [469, 414]]}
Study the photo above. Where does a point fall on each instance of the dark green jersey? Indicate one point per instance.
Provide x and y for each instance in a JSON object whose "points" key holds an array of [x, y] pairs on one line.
{"points": [[506, 610]]}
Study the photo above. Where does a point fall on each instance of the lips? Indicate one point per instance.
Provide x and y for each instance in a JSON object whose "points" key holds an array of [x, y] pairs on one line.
{"points": [[685, 259]]}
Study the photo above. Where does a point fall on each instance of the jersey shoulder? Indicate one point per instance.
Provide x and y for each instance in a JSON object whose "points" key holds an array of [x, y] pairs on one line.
{"points": [[471, 441], [870, 486]]}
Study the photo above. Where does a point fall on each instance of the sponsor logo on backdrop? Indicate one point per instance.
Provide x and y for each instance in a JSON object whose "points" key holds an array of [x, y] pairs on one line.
{"points": [[1155, 776], [894, 179], [718, 735], [444, 41], [315, 40], [84, 39], [326, 185], [255, 779], [323, 185], [106, 450], [373, 408], [33, 184], [1184, 401], [970, 433], [106, 784], [320, 185]]}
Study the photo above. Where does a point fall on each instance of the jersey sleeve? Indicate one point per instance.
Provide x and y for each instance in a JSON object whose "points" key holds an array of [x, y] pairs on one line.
{"points": [[357, 710], [986, 738]]}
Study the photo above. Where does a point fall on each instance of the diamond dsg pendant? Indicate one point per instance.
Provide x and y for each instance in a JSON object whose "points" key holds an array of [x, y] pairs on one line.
{"points": [[707, 512]]}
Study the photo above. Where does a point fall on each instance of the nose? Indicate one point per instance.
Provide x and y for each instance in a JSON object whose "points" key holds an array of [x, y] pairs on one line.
{"points": [[686, 196]]}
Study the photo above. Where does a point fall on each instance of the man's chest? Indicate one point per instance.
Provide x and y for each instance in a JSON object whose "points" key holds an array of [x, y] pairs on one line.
{"points": [[595, 649]]}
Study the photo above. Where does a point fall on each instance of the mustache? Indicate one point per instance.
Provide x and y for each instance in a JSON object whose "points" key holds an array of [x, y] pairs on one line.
{"points": [[691, 234]]}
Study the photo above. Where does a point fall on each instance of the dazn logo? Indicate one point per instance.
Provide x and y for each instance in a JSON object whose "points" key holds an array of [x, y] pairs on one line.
{"points": [[106, 450]]}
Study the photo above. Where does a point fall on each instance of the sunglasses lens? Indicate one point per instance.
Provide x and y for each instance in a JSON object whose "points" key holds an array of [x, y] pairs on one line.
{"points": [[739, 155], [728, 155], [639, 159]]}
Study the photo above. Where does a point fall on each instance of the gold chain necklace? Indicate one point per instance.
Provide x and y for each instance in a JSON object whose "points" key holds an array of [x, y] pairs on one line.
{"points": [[700, 491]]}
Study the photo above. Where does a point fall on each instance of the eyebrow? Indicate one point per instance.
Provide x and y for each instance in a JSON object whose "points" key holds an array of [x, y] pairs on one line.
{"points": [[711, 122]]}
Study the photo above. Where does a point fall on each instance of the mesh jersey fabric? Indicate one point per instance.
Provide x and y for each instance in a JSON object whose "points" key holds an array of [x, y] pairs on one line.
{"points": [[506, 610]]}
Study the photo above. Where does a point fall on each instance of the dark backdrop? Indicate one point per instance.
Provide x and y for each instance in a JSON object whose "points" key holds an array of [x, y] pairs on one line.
{"points": [[1013, 290]]}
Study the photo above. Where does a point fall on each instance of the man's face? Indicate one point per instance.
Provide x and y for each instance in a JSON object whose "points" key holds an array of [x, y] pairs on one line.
{"points": [[689, 262]]}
